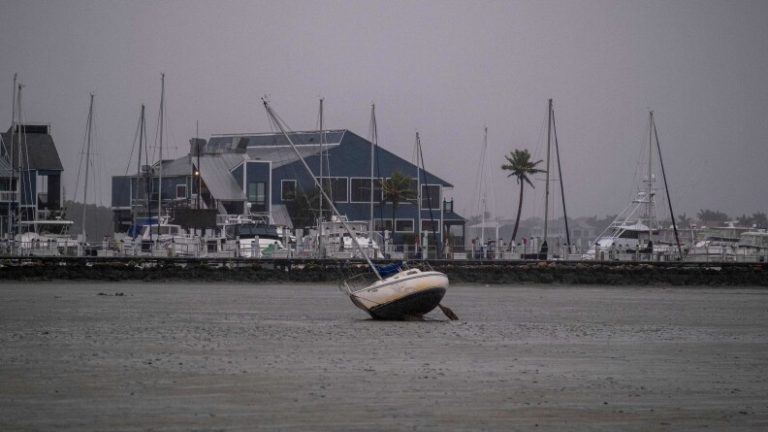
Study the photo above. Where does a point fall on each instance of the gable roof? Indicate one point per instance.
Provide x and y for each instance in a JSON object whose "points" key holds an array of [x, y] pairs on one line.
{"points": [[38, 150], [218, 178]]}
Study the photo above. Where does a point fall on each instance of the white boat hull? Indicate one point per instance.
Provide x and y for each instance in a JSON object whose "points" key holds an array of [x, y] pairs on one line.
{"points": [[410, 293]]}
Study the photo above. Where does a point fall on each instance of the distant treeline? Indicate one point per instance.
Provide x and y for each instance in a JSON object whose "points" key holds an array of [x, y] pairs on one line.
{"points": [[98, 220]]}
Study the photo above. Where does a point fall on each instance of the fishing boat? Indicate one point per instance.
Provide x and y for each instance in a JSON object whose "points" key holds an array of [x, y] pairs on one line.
{"points": [[632, 232], [397, 292]]}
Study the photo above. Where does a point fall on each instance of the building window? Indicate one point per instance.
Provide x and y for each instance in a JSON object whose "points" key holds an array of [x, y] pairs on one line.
{"points": [[360, 190], [430, 196], [288, 190], [338, 188], [404, 225], [181, 191], [257, 193], [430, 226], [382, 224]]}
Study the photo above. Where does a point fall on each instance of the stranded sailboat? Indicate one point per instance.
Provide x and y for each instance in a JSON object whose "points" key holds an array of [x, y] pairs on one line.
{"points": [[398, 292]]}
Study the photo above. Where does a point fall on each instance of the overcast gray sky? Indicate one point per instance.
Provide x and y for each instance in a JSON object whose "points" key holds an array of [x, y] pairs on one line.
{"points": [[443, 68]]}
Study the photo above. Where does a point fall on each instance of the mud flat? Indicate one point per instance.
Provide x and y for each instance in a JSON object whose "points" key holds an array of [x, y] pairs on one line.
{"points": [[295, 357]]}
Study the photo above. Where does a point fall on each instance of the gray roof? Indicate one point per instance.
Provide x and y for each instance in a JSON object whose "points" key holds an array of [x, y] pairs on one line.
{"points": [[177, 168], [280, 215], [39, 152], [240, 143], [5, 167], [217, 176], [283, 155]]}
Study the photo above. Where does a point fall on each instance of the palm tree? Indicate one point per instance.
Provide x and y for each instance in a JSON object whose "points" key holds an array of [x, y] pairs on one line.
{"points": [[397, 189], [684, 220], [521, 168]]}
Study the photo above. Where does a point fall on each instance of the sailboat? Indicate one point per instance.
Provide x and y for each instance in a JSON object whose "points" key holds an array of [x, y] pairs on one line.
{"points": [[544, 252], [632, 231], [398, 292]]}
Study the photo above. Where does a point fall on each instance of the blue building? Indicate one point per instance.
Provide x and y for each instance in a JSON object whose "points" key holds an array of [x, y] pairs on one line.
{"points": [[30, 176], [260, 175]]}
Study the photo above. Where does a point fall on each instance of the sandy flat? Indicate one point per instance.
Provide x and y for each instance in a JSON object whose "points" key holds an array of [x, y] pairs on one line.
{"points": [[195, 356]]}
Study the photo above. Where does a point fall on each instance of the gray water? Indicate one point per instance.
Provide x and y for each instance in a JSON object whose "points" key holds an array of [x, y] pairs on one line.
{"points": [[200, 356]]}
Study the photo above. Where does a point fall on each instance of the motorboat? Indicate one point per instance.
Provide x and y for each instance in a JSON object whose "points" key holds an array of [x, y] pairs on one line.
{"points": [[336, 242], [253, 239], [46, 237], [169, 238], [634, 230]]}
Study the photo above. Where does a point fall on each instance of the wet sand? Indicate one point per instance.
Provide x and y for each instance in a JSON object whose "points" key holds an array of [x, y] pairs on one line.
{"points": [[187, 356]]}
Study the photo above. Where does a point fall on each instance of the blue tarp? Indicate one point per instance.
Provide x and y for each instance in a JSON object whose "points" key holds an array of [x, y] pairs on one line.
{"points": [[135, 230], [389, 269]]}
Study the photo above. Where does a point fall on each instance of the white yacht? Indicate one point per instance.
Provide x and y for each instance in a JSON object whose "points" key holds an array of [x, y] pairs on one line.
{"points": [[253, 239]]}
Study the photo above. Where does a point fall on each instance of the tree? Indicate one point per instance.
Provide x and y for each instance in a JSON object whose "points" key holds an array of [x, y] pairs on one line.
{"points": [[684, 221], [397, 189], [521, 167], [304, 207], [760, 219], [744, 221], [712, 217]]}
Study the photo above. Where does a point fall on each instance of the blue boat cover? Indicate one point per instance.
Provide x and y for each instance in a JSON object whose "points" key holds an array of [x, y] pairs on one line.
{"points": [[389, 269]]}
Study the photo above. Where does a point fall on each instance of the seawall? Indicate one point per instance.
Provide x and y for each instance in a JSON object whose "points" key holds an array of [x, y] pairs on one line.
{"points": [[305, 270]]}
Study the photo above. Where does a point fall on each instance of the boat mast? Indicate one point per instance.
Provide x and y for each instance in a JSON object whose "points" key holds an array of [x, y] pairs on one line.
{"points": [[374, 143], [12, 154], [20, 140], [199, 174], [317, 184], [138, 166], [89, 138], [649, 203], [320, 247], [322, 135], [544, 247], [418, 192], [160, 164], [666, 186], [148, 175], [483, 195], [560, 174]]}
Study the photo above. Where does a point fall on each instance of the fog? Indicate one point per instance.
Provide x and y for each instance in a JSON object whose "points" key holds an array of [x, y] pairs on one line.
{"points": [[443, 68]]}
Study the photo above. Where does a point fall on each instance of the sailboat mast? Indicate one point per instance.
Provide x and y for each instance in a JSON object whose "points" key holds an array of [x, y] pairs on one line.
{"points": [[320, 246], [560, 175], [544, 246], [423, 171], [374, 143], [666, 187], [648, 208], [322, 148], [148, 175], [483, 193], [138, 163], [418, 190], [21, 141], [87, 164], [317, 184], [160, 164], [199, 173], [12, 154]]}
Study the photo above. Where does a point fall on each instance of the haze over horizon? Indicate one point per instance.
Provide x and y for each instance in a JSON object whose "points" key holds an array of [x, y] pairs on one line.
{"points": [[443, 68]]}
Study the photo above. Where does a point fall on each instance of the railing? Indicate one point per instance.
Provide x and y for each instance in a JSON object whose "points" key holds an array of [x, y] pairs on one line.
{"points": [[8, 196]]}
